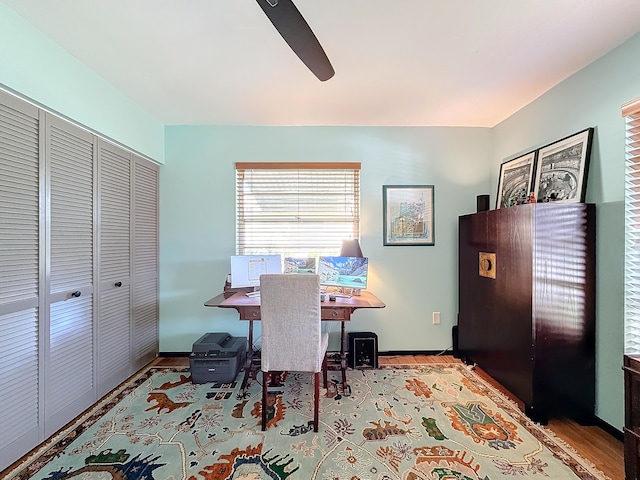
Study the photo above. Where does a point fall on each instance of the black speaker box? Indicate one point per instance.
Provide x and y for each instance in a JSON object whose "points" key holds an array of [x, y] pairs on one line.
{"points": [[482, 203], [363, 350]]}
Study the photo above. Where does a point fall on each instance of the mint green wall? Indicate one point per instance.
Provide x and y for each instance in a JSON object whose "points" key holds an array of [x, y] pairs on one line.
{"points": [[197, 191], [37, 68], [197, 221], [591, 98]]}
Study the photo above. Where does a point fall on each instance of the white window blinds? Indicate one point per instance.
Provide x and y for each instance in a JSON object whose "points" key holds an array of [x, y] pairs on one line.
{"points": [[296, 209], [631, 112]]}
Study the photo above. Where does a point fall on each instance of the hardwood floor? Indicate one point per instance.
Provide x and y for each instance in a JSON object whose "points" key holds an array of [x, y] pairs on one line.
{"points": [[593, 443]]}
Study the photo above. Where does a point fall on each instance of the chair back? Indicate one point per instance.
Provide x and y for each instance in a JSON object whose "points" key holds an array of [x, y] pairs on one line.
{"points": [[290, 318]]}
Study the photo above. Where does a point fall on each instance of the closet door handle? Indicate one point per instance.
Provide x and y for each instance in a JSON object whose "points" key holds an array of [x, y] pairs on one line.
{"points": [[118, 284], [76, 294]]}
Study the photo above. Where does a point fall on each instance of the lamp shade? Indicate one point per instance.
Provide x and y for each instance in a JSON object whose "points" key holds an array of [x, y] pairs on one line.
{"points": [[351, 248]]}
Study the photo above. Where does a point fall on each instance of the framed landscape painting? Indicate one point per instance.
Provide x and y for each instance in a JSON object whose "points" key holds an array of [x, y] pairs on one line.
{"points": [[408, 215], [561, 174], [516, 180]]}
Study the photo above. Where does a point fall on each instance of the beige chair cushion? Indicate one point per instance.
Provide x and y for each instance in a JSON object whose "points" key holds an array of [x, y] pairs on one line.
{"points": [[290, 315]]}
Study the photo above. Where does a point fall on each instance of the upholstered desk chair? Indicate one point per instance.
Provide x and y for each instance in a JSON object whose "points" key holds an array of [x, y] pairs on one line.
{"points": [[292, 339]]}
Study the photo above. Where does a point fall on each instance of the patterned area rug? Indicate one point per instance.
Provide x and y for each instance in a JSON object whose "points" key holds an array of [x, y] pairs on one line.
{"points": [[434, 422]]}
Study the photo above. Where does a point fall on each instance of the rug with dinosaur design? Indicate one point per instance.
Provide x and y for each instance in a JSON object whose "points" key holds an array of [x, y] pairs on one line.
{"points": [[430, 422]]}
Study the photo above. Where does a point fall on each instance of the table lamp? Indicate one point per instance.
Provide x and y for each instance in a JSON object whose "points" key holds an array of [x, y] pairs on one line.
{"points": [[351, 248]]}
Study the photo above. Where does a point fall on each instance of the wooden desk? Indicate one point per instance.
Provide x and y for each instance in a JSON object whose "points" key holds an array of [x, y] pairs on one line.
{"points": [[339, 311]]}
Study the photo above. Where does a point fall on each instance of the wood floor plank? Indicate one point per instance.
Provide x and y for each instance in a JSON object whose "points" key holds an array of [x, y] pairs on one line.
{"points": [[592, 443]]}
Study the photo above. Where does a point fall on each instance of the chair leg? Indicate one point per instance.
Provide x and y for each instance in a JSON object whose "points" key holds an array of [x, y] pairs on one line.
{"points": [[265, 377], [324, 370], [316, 399]]}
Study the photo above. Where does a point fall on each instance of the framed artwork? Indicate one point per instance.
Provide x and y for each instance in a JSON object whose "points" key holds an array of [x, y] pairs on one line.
{"points": [[408, 215], [515, 182], [562, 168]]}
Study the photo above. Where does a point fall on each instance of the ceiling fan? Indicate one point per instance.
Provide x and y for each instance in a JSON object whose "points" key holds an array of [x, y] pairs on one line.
{"points": [[290, 23]]}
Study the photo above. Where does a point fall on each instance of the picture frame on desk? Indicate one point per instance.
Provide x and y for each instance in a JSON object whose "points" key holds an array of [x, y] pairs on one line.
{"points": [[562, 168], [516, 180], [408, 215]]}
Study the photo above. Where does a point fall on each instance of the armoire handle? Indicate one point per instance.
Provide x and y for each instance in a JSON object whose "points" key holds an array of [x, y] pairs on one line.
{"points": [[118, 284], [76, 294]]}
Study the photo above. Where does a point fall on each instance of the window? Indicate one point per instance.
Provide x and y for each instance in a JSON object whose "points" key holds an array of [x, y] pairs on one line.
{"points": [[296, 209], [631, 112]]}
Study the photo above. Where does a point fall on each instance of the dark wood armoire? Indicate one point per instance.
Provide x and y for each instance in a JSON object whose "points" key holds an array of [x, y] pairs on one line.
{"points": [[527, 304]]}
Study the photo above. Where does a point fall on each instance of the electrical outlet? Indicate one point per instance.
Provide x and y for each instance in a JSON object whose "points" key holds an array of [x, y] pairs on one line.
{"points": [[436, 318]]}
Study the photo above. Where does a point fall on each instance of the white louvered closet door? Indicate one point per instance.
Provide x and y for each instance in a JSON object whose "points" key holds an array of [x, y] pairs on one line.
{"points": [[69, 362], [145, 261], [78, 219], [114, 309], [19, 272]]}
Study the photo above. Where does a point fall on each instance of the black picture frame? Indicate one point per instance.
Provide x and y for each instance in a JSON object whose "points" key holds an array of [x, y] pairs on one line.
{"points": [[562, 168], [408, 215], [516, 180]]}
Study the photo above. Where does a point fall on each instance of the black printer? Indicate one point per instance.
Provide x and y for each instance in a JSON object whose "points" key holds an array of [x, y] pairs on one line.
{"points": [[217, 357]]}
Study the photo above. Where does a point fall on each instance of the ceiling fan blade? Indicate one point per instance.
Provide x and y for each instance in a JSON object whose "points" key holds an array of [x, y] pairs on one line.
{"points": [[290, 23]]}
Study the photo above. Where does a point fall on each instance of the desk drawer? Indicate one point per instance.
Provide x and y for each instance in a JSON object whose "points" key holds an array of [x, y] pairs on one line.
{"points": [[334, 314], [250, 313]]}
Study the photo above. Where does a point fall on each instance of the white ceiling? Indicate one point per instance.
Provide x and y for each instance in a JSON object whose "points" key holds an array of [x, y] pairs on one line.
{"points": [[398, 62]]}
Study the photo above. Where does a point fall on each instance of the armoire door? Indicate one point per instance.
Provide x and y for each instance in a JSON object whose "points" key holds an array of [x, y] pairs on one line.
{"points": [[114, 285], [69, 353], [20, 402]]}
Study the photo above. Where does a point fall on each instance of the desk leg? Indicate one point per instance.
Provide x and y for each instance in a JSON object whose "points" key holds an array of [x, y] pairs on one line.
{"points": [[248, 367], [343, 356]]}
